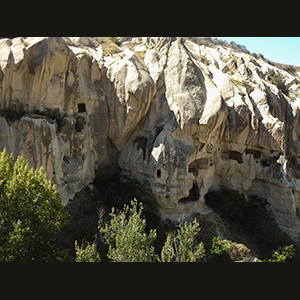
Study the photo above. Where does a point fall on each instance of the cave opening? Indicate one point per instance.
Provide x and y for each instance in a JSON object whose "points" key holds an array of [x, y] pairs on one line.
{"points": [[81, 107], [158, 173], [194, 194], [231, 154]]}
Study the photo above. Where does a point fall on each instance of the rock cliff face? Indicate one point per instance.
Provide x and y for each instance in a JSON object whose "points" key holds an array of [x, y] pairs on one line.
{"points": [[181, 117]]}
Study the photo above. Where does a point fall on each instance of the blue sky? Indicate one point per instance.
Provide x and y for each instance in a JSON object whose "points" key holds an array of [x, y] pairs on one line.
{"points": [[284, 50]]}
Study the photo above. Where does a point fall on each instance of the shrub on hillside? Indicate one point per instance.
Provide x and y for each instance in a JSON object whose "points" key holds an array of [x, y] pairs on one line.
{"points": [[277, 80], [31, 213], [89, 253], [126, 237], [181, 245], [127, 240]]}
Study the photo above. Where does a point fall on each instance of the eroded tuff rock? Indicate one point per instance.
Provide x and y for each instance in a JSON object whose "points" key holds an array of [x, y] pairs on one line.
{"points": [[183, 118]]}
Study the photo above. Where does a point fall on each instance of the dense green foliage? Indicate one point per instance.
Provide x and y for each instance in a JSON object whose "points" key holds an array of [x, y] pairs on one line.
{"points": [[127, 240], [126, 237], [181, 246], [88, 253], [31, 213], [218, 247], [250, 217], [283, 253], [31, 216]]}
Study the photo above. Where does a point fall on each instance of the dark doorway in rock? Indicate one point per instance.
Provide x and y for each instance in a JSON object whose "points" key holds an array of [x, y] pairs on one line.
{"points": [[81, 107], [194, 194], [231, 154], [158, 173]]}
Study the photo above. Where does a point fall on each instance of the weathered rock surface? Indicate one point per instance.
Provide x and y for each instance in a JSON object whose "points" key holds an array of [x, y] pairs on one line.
{"points": [[180, 117]]}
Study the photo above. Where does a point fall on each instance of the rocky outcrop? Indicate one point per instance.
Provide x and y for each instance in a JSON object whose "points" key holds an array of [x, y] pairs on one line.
{"points": [[218, 120], [182, 118], [102, 101]]}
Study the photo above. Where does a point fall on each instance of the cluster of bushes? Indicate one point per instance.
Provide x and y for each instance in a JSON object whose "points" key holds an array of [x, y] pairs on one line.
{"points": [[53, 114], [288, 68], [125, 236], [31, 216], [17, 111], [128, 241], [254, 220], [13, 112]]}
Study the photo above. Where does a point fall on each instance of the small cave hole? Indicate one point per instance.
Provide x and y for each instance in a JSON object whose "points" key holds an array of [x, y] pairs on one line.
{"points": [[141, 142], [158, 173], [66, 159], [81, 107]]}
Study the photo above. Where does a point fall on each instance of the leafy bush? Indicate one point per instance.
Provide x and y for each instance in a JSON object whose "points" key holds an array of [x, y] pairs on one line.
{"points": [[277, 79], [283, 253], [31, 213], [126, 237], [128, 242], [12, 114], [88, 253], [223, 250], [251, 218], [180, 245], [218, 247], [53, 114]]}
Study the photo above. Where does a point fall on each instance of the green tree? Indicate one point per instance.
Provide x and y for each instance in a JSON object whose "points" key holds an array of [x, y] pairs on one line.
{"points": [[181, 246], [126, 237], [31, 213], [88, 253], [219, 247]]}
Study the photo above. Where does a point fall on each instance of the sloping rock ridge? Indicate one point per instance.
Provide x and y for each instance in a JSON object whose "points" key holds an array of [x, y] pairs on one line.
{"points": [[181, 117]]}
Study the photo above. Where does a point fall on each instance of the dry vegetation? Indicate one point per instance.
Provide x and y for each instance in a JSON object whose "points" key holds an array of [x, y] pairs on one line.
{"points": [[108, 46]]}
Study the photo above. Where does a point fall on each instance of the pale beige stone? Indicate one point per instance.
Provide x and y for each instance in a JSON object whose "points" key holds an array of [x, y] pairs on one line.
{"points": [[171, 113]]}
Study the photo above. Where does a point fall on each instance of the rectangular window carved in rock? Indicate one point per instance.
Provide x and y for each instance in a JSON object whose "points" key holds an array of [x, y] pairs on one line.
{"points": [[81, 107]]}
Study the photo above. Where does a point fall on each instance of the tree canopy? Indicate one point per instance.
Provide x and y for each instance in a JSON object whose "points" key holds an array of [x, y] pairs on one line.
{"points": [[31, 213]]}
